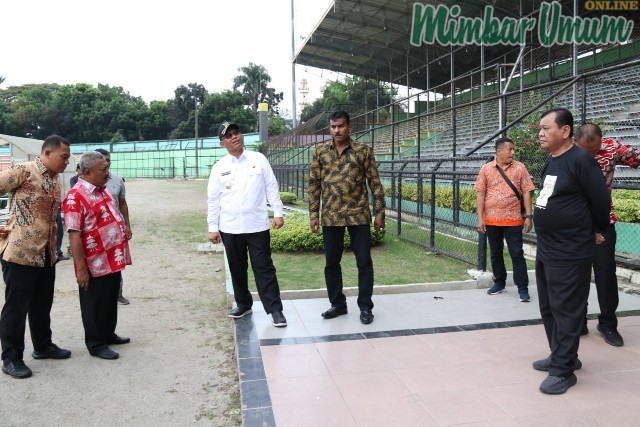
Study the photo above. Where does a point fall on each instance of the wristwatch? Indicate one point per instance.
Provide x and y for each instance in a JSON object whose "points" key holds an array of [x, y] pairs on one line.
{"points": [[528, 216]]}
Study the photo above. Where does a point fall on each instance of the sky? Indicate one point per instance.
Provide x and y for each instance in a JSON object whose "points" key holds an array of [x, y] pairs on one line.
{"points": [[151, 47]]}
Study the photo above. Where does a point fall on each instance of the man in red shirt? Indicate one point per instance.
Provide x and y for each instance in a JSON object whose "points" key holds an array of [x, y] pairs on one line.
{"points": [[100, 252], [500, 215], [608, 153]]}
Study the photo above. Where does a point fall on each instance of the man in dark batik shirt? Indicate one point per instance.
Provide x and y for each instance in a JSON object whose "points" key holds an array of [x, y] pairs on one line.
{"points": [[340, 172]]}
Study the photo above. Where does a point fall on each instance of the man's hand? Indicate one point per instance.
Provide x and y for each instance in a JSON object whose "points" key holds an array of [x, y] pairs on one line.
{"points": [[278, 222], [379, 224], [528, 224], [481, 227], [314, 226], [214, 236], [128, 233], [82, 276], [599, 238]]}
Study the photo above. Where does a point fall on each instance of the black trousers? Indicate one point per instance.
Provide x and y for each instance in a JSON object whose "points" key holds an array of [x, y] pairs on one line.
{"points": [[259, 247], [562, 294], [60, 234], [99, 308], [333, 248], [604, 271], [513, 235], [28, 292]]}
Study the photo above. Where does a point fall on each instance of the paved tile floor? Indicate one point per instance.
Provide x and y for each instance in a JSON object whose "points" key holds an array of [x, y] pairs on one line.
{"points": [[431, 359]]}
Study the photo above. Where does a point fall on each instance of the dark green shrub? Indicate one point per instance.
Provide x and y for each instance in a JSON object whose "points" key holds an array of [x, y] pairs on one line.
{"points": [[296, 236], [288, 198]]}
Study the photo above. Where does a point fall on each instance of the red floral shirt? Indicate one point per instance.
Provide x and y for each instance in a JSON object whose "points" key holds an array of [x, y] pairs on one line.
{"points": [[612, 153], [93, 212]]}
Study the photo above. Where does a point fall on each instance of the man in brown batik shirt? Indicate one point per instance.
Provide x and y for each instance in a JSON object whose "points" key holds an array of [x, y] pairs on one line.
{"points": [[340, 172], [28, 255]]}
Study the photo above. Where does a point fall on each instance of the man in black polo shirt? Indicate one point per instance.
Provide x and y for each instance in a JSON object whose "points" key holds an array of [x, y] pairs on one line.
{"points": [[572, 206]]}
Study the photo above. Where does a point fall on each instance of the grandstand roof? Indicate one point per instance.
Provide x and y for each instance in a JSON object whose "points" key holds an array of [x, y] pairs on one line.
{"points": [[370, 38]]}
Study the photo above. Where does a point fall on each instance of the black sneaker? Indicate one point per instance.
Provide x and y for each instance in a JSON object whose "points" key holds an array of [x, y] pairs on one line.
{"points": [[545, 364], [558, 385], [51, 352], [524, 295], [278, 320], [611, 335], [239, 312], [496, 289], [16, 369], [366, 316]]}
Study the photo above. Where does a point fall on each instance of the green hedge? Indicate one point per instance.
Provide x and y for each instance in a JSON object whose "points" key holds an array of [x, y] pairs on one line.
{"points": [[288, 198], [296, 236], [627, 205], [626, 202], [444, 196]]}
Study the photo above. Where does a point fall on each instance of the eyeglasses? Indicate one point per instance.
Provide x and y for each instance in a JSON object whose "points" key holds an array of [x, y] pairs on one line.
{"points": [[231, 134]]}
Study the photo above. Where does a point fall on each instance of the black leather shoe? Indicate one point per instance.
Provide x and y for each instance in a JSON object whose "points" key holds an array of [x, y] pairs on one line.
{"points": [[585, 329], [334, 312], [106, 353], [17, 369], [52, 352], [611, 335], [366, 316], [278, 320], [119, 340], [239, 312], [63, 257]]}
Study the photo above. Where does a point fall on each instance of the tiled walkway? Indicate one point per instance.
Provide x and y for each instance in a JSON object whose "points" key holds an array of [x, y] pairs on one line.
{"points": [[431, 358]]}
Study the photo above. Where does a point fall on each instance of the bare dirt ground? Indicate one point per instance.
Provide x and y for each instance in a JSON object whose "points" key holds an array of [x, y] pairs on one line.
{"points": [[179, 368]]}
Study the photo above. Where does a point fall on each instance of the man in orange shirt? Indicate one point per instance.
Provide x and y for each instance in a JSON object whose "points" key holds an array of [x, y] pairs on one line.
{"points": [[500, 214]]}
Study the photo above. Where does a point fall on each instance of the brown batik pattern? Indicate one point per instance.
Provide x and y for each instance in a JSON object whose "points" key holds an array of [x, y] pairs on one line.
{"points": [[34, 199], [338, 185]]}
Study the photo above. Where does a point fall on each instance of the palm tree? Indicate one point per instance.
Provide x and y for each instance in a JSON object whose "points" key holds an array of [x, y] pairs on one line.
{"points": [[253, 84]]}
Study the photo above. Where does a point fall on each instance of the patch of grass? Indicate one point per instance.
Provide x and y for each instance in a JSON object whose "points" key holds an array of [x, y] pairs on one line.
{"points": [[395, 262], [153, 227], [190, 227]]}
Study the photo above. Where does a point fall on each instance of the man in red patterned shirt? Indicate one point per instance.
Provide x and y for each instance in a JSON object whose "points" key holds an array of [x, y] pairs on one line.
{"points": [[100, 252], [608, 153]]}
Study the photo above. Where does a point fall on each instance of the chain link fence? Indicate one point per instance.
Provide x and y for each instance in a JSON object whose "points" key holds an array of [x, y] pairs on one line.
{"points": [[429, 159]]}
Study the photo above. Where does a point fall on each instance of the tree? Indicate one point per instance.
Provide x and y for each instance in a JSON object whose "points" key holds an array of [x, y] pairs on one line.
{"points": [[253, 84], [351, 94], [181, 110], [229, 106]]}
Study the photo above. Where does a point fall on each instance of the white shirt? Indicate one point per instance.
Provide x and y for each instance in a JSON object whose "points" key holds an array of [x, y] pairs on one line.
{"points": [[238, 191]]}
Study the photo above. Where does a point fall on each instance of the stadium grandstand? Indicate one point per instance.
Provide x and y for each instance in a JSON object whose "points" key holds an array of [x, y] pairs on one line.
{"points": [[453, 100]]}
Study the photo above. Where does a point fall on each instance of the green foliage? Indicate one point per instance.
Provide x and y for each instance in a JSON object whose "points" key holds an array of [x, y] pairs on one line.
{"points": [[276, 125], [253, 84], [528, 151], [352, 94], [288, 198], [86, 114], [444, 196], [627, 205], [296, 236]]}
